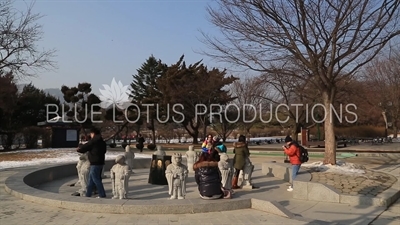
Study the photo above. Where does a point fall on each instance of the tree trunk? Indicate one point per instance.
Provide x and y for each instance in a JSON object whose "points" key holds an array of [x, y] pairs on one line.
{"points": [[195, 135], [126, 134], [137, 128], [294, 135], [193, 132], [153, 132], [120, 129], [8, 141], [329, 127], [205, 130]]}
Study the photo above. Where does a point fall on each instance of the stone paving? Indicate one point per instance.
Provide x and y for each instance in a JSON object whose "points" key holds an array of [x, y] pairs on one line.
{"points": [[17, 211], [371, 183]]}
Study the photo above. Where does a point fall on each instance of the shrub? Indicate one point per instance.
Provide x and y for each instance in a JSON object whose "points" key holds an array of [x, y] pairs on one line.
{"points": [[112, 145], [31, 136], [46, 138], [151, 146], [124, 144], [360, 131]]}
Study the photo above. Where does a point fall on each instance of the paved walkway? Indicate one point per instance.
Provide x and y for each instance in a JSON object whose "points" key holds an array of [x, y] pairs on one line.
{"points": [[392, 215]]}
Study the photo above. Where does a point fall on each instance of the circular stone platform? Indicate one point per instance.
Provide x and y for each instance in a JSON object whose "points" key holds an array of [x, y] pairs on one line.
{"points": [[139, 188], [51, 186]]}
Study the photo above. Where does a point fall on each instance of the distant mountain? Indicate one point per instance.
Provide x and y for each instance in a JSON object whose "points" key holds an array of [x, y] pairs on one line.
{"points": [[21, 87], [56, 92]]}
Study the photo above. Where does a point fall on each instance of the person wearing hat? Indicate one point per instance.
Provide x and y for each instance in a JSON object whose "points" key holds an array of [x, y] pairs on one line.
{"points": [[293, 151], [219, 145]]}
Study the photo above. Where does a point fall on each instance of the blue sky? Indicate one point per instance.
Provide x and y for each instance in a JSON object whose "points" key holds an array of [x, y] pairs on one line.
{"points": [[99, 40]]}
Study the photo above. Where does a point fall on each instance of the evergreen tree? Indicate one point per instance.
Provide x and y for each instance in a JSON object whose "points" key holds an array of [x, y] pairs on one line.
{"points": [[32, 105], [144, 90], [79, 103], [191, 86]]}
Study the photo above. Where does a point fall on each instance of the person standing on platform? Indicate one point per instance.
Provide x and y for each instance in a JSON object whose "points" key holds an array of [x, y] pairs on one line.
{"points": [[96, 149]]}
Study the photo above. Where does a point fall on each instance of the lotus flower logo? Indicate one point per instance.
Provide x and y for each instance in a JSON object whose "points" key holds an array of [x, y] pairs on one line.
{"points": [[115, 94]]}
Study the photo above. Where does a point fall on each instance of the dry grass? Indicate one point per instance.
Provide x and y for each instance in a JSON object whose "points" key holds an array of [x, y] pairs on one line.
{"points": [[27, 156]]}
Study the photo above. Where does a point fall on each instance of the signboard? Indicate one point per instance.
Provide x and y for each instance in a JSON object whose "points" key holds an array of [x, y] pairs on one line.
{"points": [[72, 135]]}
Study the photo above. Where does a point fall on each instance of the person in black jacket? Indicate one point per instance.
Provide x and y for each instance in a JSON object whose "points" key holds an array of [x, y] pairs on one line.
{"points": [[96, 149], [208, 177], [140, 142]]}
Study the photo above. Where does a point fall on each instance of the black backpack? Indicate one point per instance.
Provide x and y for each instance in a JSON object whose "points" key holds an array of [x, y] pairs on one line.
{"points": [[303, 154]]}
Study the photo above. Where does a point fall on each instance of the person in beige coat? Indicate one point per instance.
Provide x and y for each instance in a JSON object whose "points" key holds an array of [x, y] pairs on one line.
{"points": [[242, 152]]}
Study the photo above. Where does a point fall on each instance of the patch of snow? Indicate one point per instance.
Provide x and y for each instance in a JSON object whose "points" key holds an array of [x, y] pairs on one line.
{"points": [[341, 167], [60, 156]]}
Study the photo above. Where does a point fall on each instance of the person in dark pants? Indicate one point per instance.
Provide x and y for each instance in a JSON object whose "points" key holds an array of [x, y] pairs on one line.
{"points": [[96, 149], [140, 142], [241, 151], [292, 150]]}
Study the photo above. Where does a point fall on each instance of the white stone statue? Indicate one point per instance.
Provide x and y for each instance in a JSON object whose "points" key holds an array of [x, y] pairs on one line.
{"points": [[129, 156], [226, 171], [176, 174], [247, 173], [78, 169], [120, 174], [191, 158], [159, 151], [83, 168]]}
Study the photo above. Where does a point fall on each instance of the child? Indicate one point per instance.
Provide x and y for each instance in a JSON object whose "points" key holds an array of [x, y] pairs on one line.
{"points": [[220, 146], [208, 143]]}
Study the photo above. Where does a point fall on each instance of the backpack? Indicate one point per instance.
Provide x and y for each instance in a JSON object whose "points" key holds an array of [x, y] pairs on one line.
{"points": [[303, 154]]}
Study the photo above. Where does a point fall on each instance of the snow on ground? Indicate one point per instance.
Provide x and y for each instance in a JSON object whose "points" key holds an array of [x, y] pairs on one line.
{"points": [[341, 167], [52, 156]]}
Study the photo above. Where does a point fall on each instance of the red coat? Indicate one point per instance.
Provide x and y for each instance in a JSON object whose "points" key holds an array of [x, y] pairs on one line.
{"points": [[294, 154]]}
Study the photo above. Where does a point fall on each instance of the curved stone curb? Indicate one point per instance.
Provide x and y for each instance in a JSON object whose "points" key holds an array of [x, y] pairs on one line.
{"points": [[23, 183]]}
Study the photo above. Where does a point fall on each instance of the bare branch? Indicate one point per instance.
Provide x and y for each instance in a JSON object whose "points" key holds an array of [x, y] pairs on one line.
{"points": [[330, 39], [20, 33]]}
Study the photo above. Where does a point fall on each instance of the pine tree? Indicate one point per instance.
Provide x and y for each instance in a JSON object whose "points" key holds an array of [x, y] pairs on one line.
{"points": [[144, 89], [192, 85]]}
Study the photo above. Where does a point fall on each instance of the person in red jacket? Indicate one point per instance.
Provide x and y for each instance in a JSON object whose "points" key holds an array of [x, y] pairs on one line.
{"points": [[292, 150]]}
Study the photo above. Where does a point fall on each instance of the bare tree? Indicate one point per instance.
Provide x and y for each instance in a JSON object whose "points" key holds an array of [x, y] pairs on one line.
{"points": [[332, 39], [19, 35], [225, 123], [294, 93], [383, 75], [250, 96]]}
